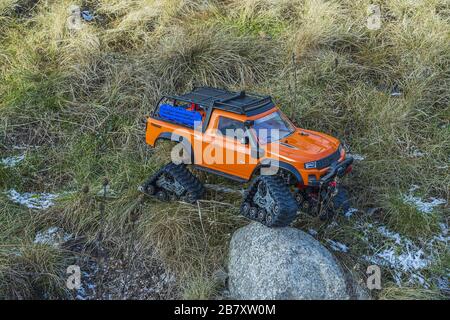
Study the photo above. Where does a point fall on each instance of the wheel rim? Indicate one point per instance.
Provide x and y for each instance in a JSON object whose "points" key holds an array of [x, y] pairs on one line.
{"points": [[189, 197], [246, 208], [269, 219], [305, 205], [276, 209], [150, 189], [253, 212], [262, 214], [161, 195]]}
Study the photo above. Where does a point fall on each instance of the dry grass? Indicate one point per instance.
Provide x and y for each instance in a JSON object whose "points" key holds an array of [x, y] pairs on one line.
{"points": [[83, 95]]}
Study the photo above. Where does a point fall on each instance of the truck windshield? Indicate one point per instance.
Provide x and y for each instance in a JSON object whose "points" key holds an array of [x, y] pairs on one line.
{"points": [[273, 127]]}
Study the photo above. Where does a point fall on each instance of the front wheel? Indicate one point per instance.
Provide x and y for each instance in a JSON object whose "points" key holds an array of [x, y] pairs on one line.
{"points": [[271, 201], [341, 202]]}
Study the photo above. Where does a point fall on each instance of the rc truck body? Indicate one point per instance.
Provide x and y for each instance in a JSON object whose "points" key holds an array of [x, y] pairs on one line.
{"points": [[246, 138]]}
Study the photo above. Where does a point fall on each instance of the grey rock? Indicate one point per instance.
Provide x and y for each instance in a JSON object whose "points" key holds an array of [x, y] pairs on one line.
{"points": [[282, 263]]}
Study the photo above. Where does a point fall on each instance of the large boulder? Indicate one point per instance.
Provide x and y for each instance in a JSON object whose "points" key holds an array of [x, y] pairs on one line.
{"points": [[282, 263]]}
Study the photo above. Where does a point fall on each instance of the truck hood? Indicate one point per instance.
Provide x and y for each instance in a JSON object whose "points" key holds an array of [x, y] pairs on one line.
{"points": [[305, 145]]}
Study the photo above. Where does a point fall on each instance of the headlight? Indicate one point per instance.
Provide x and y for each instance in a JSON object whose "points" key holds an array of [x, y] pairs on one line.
{"points": [[310, 165]]}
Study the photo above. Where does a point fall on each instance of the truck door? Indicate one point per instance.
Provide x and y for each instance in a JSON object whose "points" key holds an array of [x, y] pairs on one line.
{"points": [[233, 148]]}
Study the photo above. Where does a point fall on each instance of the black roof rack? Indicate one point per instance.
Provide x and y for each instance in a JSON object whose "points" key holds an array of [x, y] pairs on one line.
{"points": [[236, 102]]}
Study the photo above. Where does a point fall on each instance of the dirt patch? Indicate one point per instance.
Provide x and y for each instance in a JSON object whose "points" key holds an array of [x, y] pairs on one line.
{"points": [[140, 276]]}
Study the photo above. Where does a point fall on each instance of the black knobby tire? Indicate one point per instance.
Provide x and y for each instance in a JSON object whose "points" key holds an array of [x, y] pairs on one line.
{"points": [[329, 205], [162, 195], [280, 193], [193, 187], [245, 209], [340, 201], [310, 204], [253, 213]]}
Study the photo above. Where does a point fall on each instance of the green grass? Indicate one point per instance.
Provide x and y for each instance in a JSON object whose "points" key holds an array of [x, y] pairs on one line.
{"points": [[82, 97], [409, 221], [200, 288]]}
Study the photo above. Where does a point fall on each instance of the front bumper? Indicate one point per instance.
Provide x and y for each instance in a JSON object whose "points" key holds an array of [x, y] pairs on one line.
{"points": [[335, 169]]}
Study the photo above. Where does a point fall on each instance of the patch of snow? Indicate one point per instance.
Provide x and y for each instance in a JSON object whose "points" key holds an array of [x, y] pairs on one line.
{"points": [[410, 258], [32, 200], [443, 283], [414, 152], [25, 147], [87, 290], [332, 225], [421, 205], [312, 232], [12, 161], [53, 236], [443, 236], [350, 212], [402, 256], [108, 190], [417, 154], [444, 228], [357, 157], [389, 234], [337, 246]]}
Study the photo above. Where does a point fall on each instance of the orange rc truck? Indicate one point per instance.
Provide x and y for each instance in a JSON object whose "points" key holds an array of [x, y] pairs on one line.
{"points": [[246, 138]]}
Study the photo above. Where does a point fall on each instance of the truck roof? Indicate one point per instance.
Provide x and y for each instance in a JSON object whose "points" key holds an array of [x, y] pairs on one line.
{"points": [[236, 102]]}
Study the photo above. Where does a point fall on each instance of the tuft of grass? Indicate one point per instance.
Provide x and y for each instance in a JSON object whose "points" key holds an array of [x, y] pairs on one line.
{"points": [[199, 288], [212, 56], [395, 293], [262, 26], [190, 237], [409, 221], [31, 272]]}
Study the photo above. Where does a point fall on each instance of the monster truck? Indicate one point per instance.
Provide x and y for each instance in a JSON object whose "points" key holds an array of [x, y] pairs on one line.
{"points": [[245, 137]]}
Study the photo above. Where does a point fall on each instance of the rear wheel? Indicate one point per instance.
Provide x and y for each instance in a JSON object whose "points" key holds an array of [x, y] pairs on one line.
{"points": [[245, 208], [253, 213], [162, 195], [174, 182], [263, 216], [341, 202], [326, 204]]}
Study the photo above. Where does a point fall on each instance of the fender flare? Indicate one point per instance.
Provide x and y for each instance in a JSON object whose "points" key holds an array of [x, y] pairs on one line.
{"points": [[185, 142], [164, 136], [282, 165]]}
